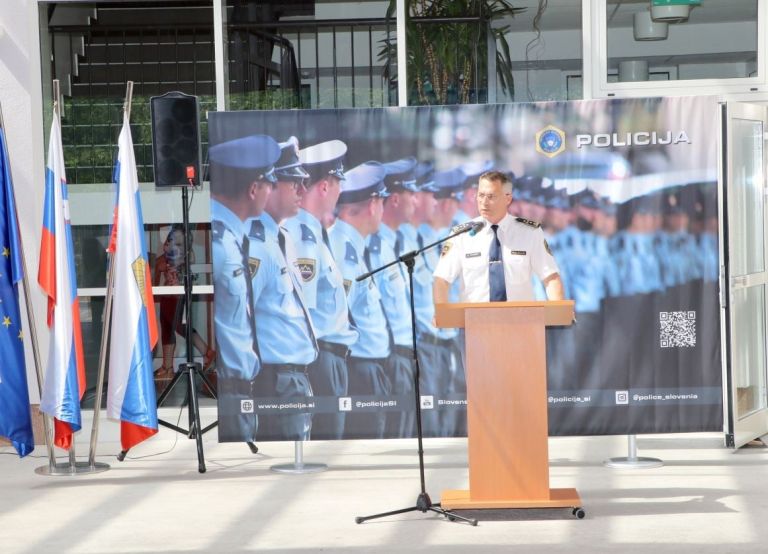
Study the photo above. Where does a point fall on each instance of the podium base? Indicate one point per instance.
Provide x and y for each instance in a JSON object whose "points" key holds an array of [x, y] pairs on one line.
{"points": [[558, 498]]}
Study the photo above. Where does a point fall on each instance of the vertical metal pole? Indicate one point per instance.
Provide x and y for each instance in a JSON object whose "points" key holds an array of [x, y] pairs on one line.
{"points": [[221, 54], [31, 320], [402, 56], [632, 461], [106, 320], [298, 465]]}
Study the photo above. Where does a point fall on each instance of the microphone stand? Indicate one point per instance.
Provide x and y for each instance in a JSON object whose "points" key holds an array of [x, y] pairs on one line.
{"points": [[424, 503]]}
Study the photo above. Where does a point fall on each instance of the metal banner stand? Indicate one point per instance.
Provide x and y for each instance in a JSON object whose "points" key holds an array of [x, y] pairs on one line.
{"points": [[298, 466], [72, 466], [632, 461]]}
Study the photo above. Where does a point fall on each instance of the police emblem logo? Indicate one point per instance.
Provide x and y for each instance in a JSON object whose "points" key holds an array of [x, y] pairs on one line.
{"points": [[306, 267], [253, 266], [547, 248], [446, 249], [347, 285], [550, 141]]}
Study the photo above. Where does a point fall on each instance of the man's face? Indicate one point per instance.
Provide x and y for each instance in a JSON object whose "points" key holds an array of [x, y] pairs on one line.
{"points": [[425, 205], [405, 201], [284, 200], [258, 196], [492, 201], [469, 202], [377, 211]]}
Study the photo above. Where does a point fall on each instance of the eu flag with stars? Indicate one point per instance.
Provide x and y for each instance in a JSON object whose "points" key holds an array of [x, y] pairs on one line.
{"points": [[15, 418]]}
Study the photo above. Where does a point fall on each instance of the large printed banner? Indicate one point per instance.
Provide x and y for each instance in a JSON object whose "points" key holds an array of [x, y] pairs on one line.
{"points": [[624, 190]]}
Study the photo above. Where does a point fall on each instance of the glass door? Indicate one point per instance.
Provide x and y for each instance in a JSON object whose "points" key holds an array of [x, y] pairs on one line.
{"points": [[746, 271]]}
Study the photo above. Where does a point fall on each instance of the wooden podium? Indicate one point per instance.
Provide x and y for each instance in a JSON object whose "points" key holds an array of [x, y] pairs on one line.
{"points": [[507, 404]]}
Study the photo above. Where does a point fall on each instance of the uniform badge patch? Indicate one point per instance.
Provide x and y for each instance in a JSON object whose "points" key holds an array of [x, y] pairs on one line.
{"points": [[547, 248], [306, 267], [446, 249], [253, 266], [472, 255], [518, 252], [347, 285]]}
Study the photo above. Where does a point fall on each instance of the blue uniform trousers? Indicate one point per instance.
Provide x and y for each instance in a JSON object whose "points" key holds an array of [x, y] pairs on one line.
{"points": [[434, 373], [401, 372], [367, 377], [285, 381], [329, 376], [237, 420]]}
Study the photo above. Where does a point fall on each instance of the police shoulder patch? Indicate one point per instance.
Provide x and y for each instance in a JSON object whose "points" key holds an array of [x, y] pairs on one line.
{"points": [[528, 222], [547, 248], [446, 248], [347, 285], [253, 266], [307, 268]]}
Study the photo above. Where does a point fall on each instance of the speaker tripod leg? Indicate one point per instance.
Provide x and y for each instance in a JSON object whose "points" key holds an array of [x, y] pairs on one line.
{"points": [[195, 428]]}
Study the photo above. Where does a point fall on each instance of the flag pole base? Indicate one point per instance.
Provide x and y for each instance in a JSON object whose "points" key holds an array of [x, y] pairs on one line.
{"points": [[298, 466], [66, 469]]}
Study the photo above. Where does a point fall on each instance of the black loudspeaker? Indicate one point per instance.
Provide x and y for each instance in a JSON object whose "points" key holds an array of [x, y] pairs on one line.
{"points": [[175, 139]]}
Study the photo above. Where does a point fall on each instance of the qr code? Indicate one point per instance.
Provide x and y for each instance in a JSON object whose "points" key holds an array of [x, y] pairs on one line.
{"points": [[677, 329]]}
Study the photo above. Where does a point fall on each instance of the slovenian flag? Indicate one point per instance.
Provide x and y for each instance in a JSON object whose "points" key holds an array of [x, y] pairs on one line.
{"points": [[64, 381], [131, 390]]}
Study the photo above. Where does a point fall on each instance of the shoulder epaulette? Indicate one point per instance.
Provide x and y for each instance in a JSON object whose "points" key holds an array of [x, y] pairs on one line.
{"points": [[217, 229], [374, 243], [350, 255], [528, 222], [307, 234], [257, 230]]}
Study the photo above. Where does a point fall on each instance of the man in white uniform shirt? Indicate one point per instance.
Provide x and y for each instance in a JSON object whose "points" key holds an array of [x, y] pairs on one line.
{"points": [[496, 263]]}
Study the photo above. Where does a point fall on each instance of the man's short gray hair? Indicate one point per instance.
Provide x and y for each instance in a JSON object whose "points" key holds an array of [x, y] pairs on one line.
{"points": [[498, 177]]}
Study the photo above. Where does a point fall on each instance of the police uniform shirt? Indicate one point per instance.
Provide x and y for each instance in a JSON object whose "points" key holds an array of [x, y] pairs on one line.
{"points": [[283, 330], [321, 280], [391, 284], [422, 281], [348, 247], [459, 218], [237, 358], [524, 252]]}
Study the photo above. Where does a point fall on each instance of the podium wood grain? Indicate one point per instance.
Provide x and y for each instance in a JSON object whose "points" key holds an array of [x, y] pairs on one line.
{"points": [[507, 404]]}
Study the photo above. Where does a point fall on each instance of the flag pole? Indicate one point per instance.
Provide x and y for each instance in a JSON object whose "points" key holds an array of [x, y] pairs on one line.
{"points": [[106, 319], [31, 324], [57, 115]]}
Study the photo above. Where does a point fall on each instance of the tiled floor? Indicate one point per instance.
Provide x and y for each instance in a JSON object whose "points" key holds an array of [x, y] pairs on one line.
{"points": [[704, 499]]}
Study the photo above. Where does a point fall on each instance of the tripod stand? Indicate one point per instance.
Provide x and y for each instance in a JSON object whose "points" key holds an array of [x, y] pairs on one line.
{"points": [[190, 371], [424, 503]]}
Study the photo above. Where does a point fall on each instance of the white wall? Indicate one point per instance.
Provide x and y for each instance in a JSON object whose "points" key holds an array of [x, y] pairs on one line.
{"points": [[20, 94]]}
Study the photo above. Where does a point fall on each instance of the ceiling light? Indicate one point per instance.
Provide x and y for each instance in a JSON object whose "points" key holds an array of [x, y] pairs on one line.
{"points": [[670, 14], [647, 29]]}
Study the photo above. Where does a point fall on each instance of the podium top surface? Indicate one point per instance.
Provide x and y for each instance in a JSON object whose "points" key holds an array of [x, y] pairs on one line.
{"points": [[556, 312]]}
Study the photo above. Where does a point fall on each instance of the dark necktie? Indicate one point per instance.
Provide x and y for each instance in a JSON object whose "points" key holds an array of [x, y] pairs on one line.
{"points": [[496, 269], [326, 240], [367, 258], [249, 309], [399, 244], [296, 287]]}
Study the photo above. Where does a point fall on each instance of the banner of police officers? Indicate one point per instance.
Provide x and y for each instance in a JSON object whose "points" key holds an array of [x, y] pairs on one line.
{"points": [[623, 193]]}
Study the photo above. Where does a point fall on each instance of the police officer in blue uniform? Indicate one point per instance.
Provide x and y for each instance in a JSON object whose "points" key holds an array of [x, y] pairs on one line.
{"points": [[284, 329], [242, 173], [431, 357], [393, 286], [323, 284], [359, 208]]}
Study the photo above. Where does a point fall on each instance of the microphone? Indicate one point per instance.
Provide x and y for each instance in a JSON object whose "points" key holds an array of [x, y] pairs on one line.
{"points": [[472, 227]]}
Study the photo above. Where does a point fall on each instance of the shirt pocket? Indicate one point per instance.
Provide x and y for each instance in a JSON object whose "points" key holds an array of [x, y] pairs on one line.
{"points": [[475, 269], [288, 302], [327, 290], [517, 268]]}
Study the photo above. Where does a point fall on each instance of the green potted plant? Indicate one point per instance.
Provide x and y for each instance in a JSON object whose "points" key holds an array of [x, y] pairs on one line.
{"points": [[446, 42]]}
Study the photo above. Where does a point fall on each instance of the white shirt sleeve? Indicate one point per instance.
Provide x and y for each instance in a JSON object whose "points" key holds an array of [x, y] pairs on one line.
{"points": [[449, 265], [542, 260]]}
